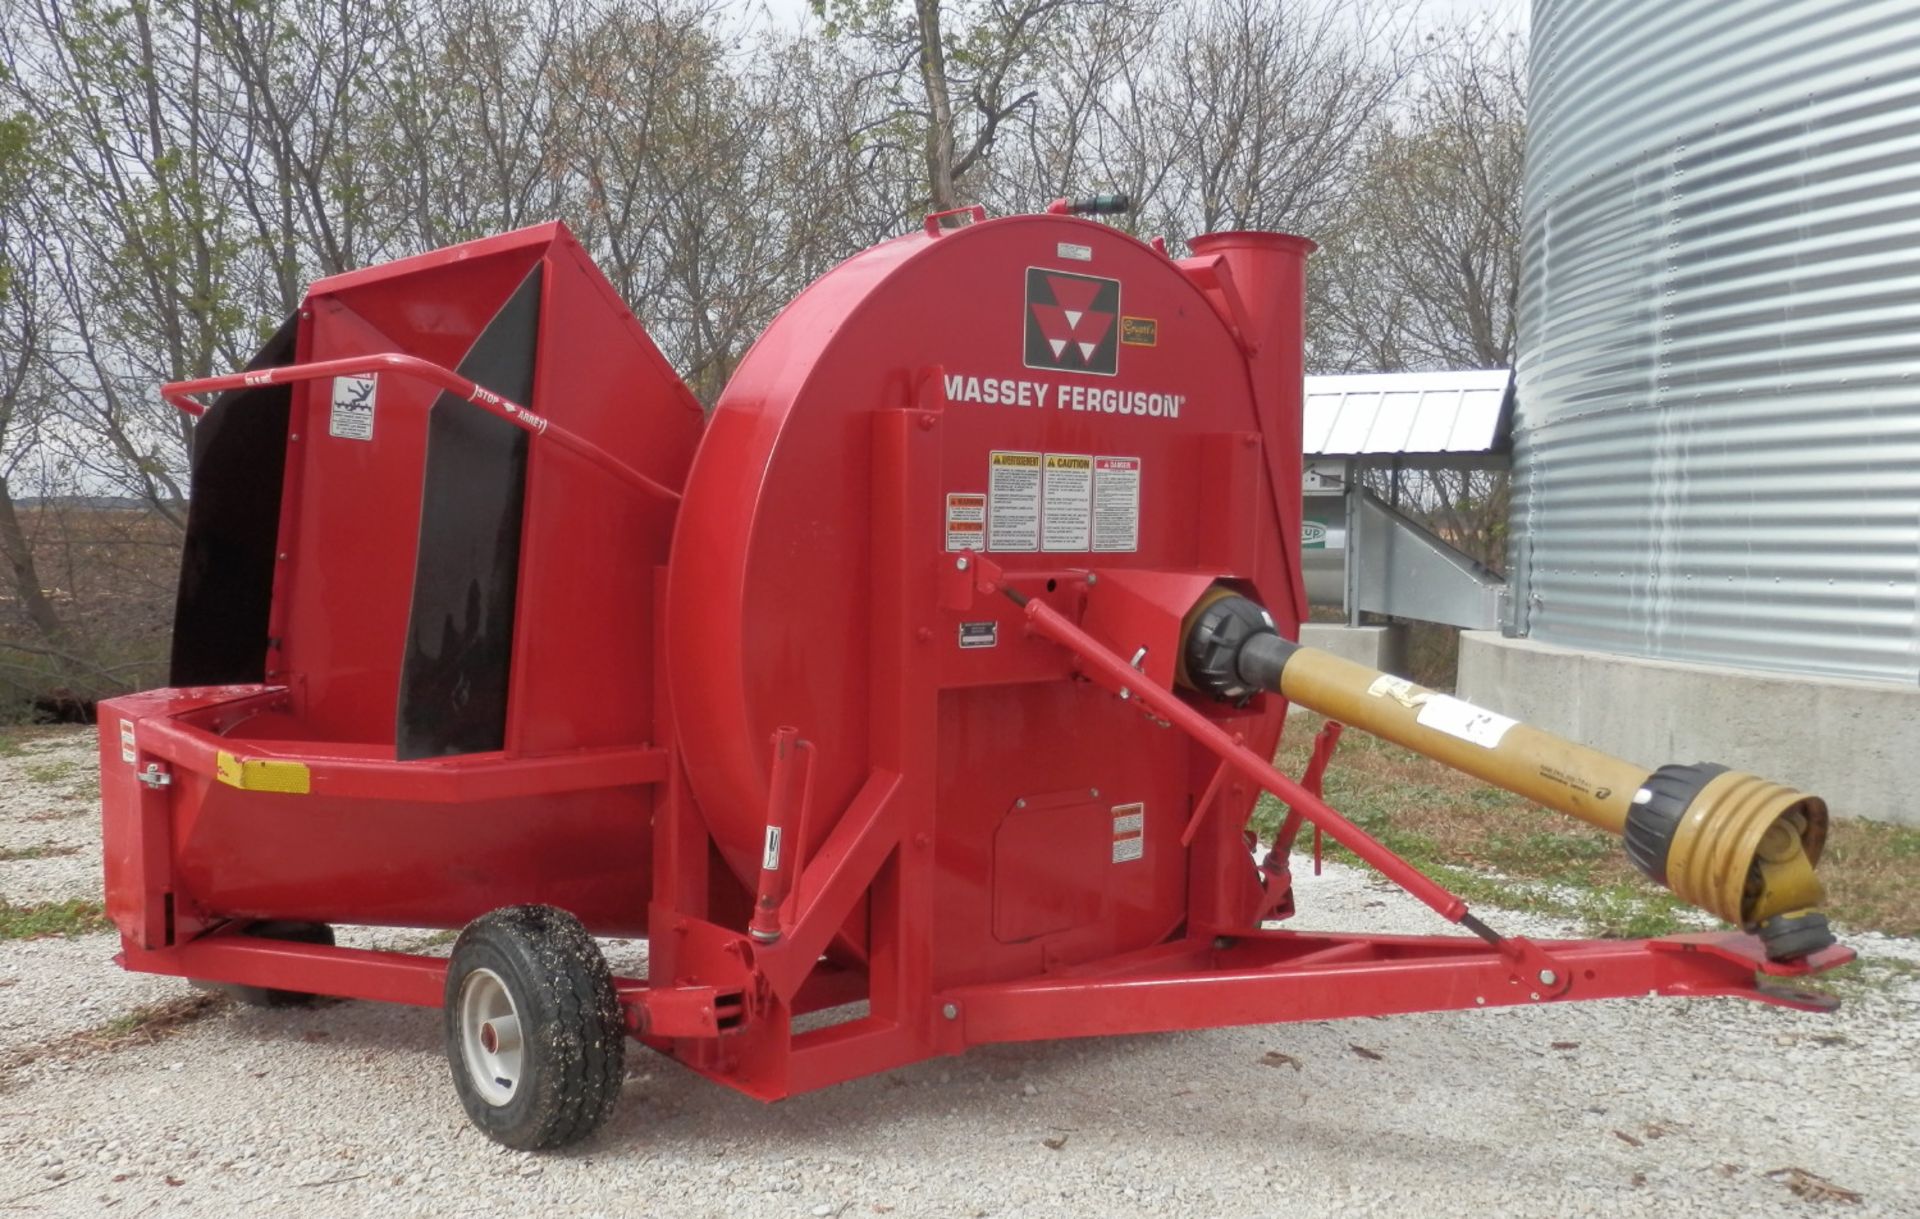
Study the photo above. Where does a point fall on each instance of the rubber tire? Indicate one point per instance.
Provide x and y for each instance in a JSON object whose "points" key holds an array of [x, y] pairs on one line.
{"points": [[278, 929], [570, 1025]]}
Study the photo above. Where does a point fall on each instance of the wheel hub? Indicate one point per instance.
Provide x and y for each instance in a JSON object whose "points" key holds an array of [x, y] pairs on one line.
{"points": [[490, 1044]]}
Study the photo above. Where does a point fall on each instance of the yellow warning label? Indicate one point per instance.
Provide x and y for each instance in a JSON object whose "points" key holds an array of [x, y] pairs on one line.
{"points": [[1013, 501], [1066, 502]]}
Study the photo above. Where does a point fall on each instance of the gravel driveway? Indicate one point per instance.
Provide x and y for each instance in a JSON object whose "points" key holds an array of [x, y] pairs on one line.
{"points": [[1657, 1107]]}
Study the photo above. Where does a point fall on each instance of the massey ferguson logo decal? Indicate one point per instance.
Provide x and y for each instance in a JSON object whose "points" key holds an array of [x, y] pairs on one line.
{"points": [[1072, 322]]}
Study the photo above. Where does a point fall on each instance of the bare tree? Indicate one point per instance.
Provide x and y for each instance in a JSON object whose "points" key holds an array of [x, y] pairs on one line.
{"points": [[1264, 106], [1424, 270], [193, 165], [1210, 114], [130, 233], [468, 118], [973, 65], [20, 339], [308, 76], [1090, 129]]}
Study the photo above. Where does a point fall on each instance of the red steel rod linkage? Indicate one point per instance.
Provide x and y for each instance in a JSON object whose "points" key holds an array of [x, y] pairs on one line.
{"points": [[1324, 744], [180, 395], [1278, 863], [1115, 673]]}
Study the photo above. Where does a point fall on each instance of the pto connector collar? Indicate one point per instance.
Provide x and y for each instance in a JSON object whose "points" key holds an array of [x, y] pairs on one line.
{"points": [[1217, 656], [1737, 846]]}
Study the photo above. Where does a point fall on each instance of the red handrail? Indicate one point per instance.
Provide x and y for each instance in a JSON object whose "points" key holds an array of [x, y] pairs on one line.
{"points": [[180, 395]]}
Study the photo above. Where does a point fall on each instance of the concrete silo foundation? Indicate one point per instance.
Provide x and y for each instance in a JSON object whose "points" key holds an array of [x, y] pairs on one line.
{"points": [[1856, 742]]}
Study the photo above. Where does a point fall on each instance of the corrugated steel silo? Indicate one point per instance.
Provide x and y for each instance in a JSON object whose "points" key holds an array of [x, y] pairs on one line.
{"points": [[1717, 441]]}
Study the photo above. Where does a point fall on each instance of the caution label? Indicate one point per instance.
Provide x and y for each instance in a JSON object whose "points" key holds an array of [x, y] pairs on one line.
{"points": [[1013, 501], [1129, 832], [1066, 506], [352, 415], [1116, 503], [966, 521], [1056, 502]]}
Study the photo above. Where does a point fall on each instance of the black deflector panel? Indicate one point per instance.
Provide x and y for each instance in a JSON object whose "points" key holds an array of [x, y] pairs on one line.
{"points": [[239, 463], [453, 679]]}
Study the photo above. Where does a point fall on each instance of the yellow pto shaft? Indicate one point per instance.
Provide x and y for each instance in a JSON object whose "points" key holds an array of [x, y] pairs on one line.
{"points": [[1740, 847]]}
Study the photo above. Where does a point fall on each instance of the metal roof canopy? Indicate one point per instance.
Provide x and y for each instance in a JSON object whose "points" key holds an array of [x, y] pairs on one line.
{"points": [[1380, 561], [1412, 418]]}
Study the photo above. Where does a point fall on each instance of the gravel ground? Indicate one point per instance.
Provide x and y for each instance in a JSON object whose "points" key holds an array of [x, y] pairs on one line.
{"points": [[50, 803], [1657, 1107]]}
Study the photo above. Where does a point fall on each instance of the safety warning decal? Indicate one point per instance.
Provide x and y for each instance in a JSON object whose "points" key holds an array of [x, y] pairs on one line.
{"points": [[1129, 832], [1056, 502], [1066, 502], [352, 414], [1116, 503], [1013, 501], [1399, 689], [1070, 322], [1456, 718], [966, 521], [128, 753]]}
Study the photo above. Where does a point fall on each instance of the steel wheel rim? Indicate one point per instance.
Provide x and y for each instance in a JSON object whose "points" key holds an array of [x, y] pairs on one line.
{"points": [[490, 1041]]}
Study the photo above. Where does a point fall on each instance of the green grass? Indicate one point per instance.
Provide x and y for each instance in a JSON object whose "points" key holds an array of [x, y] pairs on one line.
{"points": [[142, 1026], [44, 851], [1493, 848], [1870, 976], [151, 1022], [121, 1027], [57, 770], [17, 740], [68, 918], [78, 778], [1553, 874]]}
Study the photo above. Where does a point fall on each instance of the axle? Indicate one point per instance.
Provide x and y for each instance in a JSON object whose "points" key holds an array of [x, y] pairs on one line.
{"points": [[1741, 847]]}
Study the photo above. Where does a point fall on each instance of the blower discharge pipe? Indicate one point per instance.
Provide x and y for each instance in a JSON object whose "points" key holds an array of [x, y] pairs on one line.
{"points": [[1740, 847]]}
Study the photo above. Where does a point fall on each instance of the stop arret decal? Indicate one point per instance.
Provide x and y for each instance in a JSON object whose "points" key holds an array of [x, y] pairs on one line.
{"points": [[1072, 322]]}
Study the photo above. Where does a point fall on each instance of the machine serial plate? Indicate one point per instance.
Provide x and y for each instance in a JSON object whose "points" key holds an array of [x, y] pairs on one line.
{"points": [[979, 634]]}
